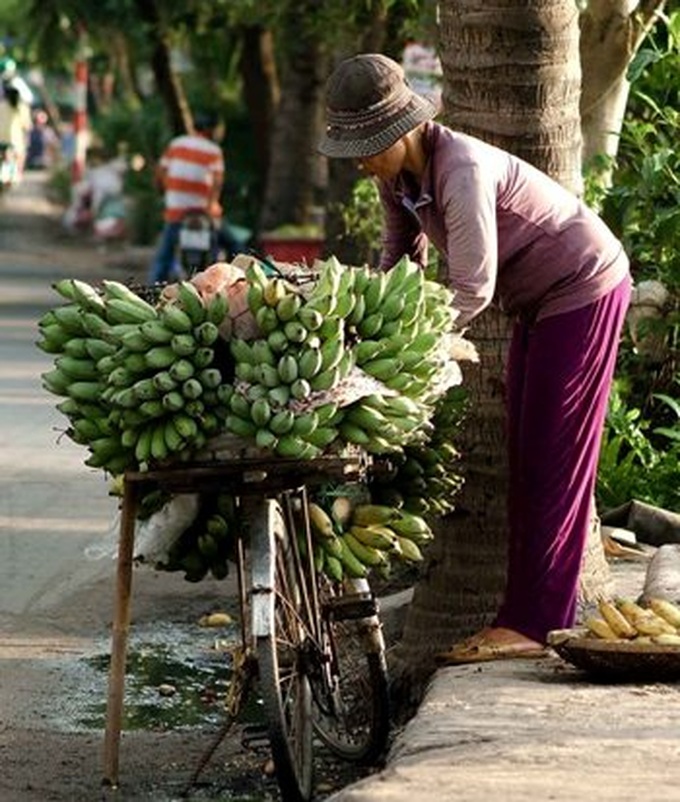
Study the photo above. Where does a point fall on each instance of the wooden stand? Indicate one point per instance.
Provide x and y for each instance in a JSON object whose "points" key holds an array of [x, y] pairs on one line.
{"points": [[121, 625]]}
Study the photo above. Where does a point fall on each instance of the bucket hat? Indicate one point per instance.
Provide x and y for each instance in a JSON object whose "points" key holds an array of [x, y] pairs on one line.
{"points": [[369, 106]]}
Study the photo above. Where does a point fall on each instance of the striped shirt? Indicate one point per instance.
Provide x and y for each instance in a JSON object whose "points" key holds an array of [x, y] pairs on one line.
{"points": [[192, 165]]}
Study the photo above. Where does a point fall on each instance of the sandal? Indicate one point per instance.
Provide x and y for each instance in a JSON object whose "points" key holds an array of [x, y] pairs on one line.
{"points": [[484, 651]]}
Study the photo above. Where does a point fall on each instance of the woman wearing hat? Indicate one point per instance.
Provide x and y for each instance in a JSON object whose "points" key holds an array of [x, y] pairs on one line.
{"points": [[507, 233]]}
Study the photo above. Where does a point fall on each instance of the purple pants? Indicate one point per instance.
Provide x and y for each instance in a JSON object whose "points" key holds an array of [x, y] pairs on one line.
{"points": [[559, 378]]}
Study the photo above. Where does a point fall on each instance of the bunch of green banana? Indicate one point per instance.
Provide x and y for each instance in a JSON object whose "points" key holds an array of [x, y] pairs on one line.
{"points": [[207, 545], [426, 478], [388, 324], [384, 424], [301, 356], [401, 334], [365, 539], [139, 381]]}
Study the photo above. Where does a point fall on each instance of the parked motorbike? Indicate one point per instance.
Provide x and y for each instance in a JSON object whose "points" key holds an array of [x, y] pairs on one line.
{"points": [[202, 242], [197, 245]]}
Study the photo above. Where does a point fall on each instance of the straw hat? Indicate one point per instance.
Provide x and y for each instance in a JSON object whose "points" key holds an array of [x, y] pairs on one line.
{"points": [[369, 106]]}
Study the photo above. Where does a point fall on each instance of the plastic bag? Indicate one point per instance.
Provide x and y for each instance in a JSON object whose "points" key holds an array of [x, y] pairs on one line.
{"points": [[662, 580], [155, 536]]}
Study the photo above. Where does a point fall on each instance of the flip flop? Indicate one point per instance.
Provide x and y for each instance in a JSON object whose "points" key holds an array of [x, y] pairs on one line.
{"points": [[462, 654]]}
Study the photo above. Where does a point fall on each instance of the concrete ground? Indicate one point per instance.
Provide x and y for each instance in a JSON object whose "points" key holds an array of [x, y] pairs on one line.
{"points": [[535, 729]]}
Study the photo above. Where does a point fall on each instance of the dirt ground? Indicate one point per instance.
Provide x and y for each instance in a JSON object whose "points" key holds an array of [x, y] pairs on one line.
{"points": [[51, 751], [52, 658]]}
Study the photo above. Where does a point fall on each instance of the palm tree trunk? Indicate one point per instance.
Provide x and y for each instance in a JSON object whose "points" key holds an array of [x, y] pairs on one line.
{"points": [[511, 77]]}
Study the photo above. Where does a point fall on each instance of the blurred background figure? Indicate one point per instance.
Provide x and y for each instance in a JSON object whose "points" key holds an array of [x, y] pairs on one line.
{"points": [[190, 174], [98, 200], [15, 121], [43, 143]]}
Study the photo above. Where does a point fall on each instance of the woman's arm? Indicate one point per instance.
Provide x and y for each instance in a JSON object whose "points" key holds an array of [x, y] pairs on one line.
{"points": [[468, 198]]}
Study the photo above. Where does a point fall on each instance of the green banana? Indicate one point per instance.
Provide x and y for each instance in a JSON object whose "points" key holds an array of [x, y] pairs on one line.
{"points": [[191, 301], [78, 369], [183, 344], [123, 311], [175, 319], [368, 555], [352, 566]]}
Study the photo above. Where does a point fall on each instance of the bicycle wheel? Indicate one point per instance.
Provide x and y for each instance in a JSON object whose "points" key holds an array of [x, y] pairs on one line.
{"points": [[280, 632], [351, 704]]}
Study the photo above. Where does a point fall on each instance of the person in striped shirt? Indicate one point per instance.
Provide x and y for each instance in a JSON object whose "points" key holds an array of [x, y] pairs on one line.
{"points": [[191, 174]]}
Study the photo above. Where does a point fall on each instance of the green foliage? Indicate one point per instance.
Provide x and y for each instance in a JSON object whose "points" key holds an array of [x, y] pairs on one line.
{"points": [[637, 462], [363, 219], [640, 455], [134, 129], [643, 205]]}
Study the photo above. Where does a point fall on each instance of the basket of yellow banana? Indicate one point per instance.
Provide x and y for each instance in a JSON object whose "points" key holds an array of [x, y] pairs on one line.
{"points": [[625, 641]]}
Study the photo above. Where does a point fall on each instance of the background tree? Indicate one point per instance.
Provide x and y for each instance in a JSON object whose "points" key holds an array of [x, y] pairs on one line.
{"points": [[611, 34]]}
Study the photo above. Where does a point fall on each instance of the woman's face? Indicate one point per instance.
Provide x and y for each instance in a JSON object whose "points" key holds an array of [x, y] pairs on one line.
{"points": [[387, 164]]}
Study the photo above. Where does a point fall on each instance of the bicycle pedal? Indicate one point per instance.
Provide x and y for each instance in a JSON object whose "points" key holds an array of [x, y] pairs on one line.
{"points": [[254, 737], [345, 608]]}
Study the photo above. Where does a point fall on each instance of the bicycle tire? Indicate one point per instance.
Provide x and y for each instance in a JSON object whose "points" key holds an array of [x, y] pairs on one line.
{"points": [[280, 634], [351, 714]]}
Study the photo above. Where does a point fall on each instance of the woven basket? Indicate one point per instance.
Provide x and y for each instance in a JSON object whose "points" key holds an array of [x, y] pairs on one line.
{"points": [[623, 661]]}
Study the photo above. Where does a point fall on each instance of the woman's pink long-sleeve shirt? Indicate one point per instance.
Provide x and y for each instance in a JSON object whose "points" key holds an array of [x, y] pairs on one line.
{"points": [[506, 231]]}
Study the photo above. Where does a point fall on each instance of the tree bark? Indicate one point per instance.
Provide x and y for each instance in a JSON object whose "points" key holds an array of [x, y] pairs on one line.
{"points": [[297, 173], [261, 91], [512, 78]]}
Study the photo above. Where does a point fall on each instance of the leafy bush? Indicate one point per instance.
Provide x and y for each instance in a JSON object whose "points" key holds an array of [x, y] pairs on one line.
{"points": [[636, 462], [640, 457]]}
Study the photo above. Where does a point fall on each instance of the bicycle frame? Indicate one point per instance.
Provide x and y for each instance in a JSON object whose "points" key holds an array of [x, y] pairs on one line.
{"points": [[256, 482]]}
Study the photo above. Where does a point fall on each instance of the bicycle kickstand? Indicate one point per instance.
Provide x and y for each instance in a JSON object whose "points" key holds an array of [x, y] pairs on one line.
{"points": [[244, 671]]}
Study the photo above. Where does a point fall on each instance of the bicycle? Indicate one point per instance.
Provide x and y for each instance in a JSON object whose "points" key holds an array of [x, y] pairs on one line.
{"points": [[314, 649]]}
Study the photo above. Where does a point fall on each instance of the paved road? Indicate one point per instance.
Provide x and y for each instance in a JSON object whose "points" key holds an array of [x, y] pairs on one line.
{"points": [[51, 506]]}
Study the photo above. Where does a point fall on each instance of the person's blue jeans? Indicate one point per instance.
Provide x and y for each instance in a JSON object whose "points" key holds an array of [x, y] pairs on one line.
{"points": [[164, 266]]}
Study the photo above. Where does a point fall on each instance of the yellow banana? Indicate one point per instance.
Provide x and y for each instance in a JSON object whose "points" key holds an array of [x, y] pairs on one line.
{"points": [[321, 522], [617, 621], [367, 555], [410, 551], [367, 514], [667, 610], [600, 628], [646, 622], [377, 537], [666, 639]]}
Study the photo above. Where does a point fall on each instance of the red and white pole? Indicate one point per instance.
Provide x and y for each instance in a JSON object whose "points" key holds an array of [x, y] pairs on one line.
{"points": [[80, 111]]}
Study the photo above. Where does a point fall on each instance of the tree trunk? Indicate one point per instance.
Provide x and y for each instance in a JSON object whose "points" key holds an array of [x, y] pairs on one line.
{"points": [[261, 91], [611, 33], [297, 173], [167, 82], [511, 77]]}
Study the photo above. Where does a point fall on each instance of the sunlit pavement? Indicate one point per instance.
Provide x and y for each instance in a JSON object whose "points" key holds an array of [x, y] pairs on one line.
{"points": [[51, 505]]}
